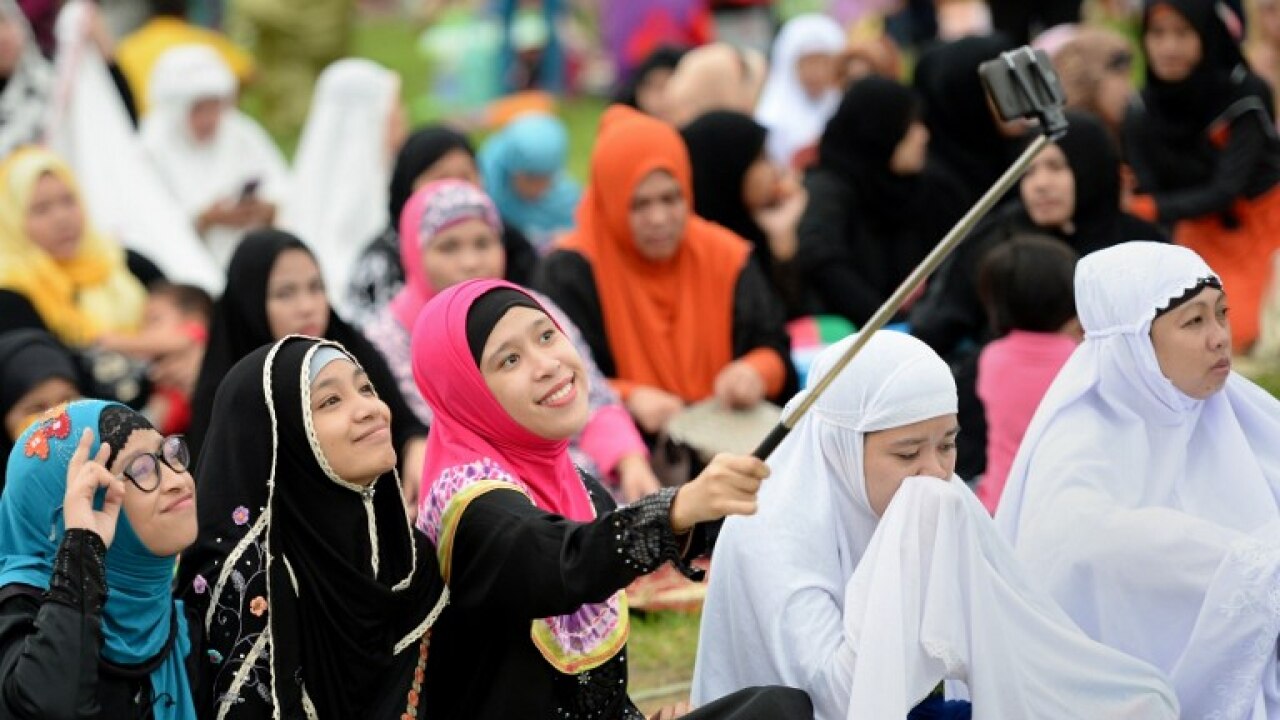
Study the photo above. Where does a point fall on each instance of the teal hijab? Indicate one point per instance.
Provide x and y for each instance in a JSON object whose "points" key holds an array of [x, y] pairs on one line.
{"points": [[532, 144], [140, 610]]}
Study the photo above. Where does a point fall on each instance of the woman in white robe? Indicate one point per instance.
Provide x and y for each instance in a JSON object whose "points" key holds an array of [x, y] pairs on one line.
{"points": [[337, 197], [870, 572], [221, 166], [801, 93], [1144, 495]]}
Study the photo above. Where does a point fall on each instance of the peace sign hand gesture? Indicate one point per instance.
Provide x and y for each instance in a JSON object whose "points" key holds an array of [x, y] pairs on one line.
{"points": [[84, 477]]}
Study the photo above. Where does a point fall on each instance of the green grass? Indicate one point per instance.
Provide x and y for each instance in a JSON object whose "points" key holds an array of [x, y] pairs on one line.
{"points": [[393, 43], [661, 651]]}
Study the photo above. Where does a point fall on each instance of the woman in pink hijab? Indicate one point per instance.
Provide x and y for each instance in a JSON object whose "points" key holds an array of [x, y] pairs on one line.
{"points": [[534, 551]]}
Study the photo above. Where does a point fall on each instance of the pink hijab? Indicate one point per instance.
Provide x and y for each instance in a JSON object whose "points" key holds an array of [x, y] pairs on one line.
{"points": [[470, 426], [432, 209], [476, 447]]}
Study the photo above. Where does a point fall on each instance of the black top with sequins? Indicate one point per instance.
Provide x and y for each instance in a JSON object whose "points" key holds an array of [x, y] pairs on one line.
{"points": [[513, 563], [50, 643]]}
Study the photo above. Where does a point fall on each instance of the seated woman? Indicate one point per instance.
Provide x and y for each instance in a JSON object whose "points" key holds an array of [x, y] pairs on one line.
{"points": [[801, 93], [274, 289], [451, 234], [870, 573], [1203, 145], [57, 272], [316, 595], [338, 184], [736, 185], [672, 306], [876, 207], [224, 170], [36, 373], [523, 166], [1144, 496], [95, 511], [535, 553], [435, 152]]}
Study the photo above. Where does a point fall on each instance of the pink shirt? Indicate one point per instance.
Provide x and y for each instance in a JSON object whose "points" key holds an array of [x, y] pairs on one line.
{"points": [[1014, 373]]}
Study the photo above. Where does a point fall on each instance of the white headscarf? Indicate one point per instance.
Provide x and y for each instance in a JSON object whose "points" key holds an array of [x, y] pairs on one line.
{"points": [[201, 174], [794, 119], [867, 615], [24, 103], [1150, 516], [337, 198], [91, 129]]}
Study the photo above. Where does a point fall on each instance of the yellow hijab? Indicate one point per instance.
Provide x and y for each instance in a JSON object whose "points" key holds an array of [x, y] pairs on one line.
{"points": [[79, 298]]}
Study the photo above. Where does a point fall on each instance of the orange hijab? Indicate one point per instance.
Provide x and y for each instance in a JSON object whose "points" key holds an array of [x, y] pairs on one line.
{"points": [[669, 323]]}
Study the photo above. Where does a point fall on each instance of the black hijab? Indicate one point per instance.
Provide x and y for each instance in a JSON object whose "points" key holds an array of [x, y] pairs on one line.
{"points": [[1094, 160], [420, 151], [859, 141], [1179, 114], [963, 134], [287, 545], [722, 146], [28, 358], [662, 58], [239, 326]]}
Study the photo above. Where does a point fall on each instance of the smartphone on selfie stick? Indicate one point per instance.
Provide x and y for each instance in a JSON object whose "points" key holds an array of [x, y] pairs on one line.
{"points": [[1021, 85]]}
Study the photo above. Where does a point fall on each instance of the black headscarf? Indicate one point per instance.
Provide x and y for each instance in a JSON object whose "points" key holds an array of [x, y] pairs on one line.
{"points": [[963, 134], [239, 326], [309, 570], [722, 146], [1094, 160], [662, 58], [859, 142], [1179, 114], [420, 151], [28, 358]]}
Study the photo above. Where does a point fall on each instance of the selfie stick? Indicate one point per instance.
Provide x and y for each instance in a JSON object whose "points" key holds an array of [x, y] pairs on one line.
{"points": [[1040, 97]]}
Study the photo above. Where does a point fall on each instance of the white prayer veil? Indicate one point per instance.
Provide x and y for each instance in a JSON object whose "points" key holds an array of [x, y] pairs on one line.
{"points": [[201, 174], [794, 119], [1152, 517], [90, 129], [868, 615], [337, 201]]}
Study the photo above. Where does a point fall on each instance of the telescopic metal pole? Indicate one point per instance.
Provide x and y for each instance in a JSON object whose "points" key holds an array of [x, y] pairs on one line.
{"points": [[899, 296]]}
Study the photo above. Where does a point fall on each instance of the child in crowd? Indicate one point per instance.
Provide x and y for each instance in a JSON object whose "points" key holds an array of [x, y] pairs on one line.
{"points": [[1026, 287], [175, 325]]}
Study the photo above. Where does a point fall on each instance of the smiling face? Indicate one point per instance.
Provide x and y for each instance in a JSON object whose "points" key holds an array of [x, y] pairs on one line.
{"points": [[352, 424], [923, 449], [54, 221], [1193, 344], [658, 215], [1049, 189], [536, 374], [296, 302], [165, 518]]}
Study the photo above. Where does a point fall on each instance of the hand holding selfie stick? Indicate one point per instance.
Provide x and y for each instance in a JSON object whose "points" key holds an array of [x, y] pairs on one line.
{"points": [[1022, 84]]}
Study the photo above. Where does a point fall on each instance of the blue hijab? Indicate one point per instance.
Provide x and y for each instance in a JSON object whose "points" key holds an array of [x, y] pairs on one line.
{"points": [[140, 609], [532, 144]]}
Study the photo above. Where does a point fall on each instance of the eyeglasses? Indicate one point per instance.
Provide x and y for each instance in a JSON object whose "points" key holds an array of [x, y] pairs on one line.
{"points": [[144, 470]]}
